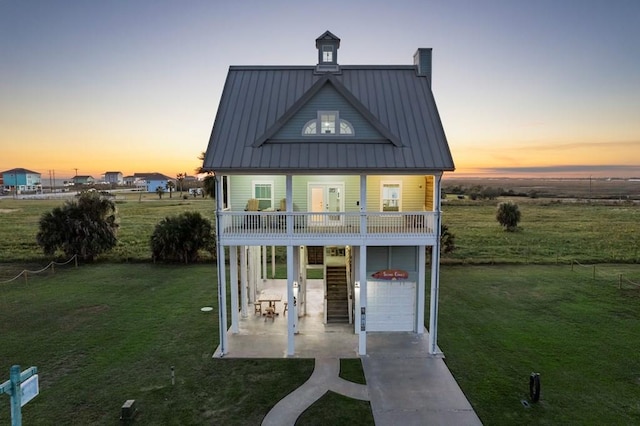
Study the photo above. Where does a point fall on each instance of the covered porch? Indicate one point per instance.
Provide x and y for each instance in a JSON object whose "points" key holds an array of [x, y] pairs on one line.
{"points": [[262, 337]]}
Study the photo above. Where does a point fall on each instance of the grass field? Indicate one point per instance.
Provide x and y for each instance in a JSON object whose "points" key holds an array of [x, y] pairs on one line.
{"points": [[550, 230], [102, 334], [498, 324], [138, 215], [510, 305]]}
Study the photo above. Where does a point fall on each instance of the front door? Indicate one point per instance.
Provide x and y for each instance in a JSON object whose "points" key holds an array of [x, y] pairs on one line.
{"points": [[324, 199]]}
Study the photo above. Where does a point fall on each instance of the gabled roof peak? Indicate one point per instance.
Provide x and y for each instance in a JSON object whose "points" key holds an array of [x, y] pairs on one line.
{"points": [[328, 35]]}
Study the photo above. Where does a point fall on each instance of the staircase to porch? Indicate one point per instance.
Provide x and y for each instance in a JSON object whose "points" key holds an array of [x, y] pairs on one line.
{"points": [[337, 294]]}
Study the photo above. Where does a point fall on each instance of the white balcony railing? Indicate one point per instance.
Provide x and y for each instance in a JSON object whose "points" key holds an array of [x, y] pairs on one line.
{"points": [[340, 224]]}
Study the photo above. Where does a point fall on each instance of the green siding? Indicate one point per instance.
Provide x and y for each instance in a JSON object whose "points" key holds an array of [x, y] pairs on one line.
{"points": [[328, 99], [240, 188], [351, 189], [416, 191]]}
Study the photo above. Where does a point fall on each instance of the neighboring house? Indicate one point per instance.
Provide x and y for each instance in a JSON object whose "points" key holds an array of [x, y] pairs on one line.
{"points": [[21, 180], [129, 180], [342, 165], [114, 177], [151, 181], [83, 180]]}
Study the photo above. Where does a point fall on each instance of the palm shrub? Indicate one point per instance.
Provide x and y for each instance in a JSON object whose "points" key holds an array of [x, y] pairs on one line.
{"points": [[85, 227], [180, 238], [447, 241], [209, 186], [508, 215]]}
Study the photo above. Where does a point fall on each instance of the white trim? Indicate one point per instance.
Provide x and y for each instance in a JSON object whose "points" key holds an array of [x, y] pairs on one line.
{"points": [[263, 182], [326, 186]]}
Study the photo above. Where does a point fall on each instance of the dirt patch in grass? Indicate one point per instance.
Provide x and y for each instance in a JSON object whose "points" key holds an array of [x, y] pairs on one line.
{"points": [[91, 309], [8, 210], [81, 315]]}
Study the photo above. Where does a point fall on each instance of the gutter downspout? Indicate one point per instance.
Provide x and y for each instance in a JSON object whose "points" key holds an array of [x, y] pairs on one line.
{"points": [[222, 297], [435, 274]]}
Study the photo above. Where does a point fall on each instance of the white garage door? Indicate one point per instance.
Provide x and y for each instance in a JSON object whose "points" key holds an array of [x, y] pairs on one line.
{"points": [[391, 306]]}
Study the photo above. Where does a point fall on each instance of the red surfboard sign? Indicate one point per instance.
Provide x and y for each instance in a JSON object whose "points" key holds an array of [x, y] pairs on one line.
{"points": [[391, 274]]}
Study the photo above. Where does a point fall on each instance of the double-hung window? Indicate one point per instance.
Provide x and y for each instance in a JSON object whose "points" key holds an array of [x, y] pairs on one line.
{"points": [[391, 196], [263, 192]]}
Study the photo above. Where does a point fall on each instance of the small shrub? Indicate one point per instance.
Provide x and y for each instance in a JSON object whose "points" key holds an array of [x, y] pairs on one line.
{"points": [[180, 238], [508, 215]]}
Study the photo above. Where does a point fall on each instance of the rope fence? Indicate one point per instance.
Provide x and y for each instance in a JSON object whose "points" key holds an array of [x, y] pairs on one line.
{"points": [[52, 265], [619, 276]]}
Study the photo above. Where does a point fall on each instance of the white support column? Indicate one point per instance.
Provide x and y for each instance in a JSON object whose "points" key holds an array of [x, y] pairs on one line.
{"points": [[422, 258], [244, 298], [254, 272], [290, 317], [264, 262], [302, 281], [362, 337], [435, 274], [363, 204], [233, 281], [222, 279], [355, 253], [273, 262], [289, 192]]}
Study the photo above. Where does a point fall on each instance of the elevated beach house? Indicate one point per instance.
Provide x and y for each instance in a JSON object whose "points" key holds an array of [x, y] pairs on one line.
{"points": [[20, 180], [340, 164]]}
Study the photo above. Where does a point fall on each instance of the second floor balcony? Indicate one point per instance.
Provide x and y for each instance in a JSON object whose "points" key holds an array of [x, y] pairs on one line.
{"points": [[307, 228]]}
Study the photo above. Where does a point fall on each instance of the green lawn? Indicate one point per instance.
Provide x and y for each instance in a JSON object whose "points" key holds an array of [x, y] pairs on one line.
{"points": [[102, 334], [498, 324]]}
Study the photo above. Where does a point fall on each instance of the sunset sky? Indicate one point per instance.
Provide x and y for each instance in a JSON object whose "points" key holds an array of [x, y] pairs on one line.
{"points": [[543, 88]]}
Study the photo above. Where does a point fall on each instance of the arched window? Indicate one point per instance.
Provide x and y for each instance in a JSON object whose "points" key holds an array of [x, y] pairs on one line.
{"points": [[346, 128], [328, 123], [309, 128]]}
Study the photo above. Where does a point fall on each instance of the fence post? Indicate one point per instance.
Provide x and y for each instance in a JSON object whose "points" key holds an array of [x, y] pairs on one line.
{"points": [[594, 272], [571, 265], [53, 268], [75, 256], [620, 281], [26, 280]]}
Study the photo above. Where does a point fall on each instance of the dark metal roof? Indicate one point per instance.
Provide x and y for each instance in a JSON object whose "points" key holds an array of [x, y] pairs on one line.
{"points": [[257, 101]]}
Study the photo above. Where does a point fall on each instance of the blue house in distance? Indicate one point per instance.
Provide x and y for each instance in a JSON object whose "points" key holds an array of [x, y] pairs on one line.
{"points": [[152, 180], [21, 180]]}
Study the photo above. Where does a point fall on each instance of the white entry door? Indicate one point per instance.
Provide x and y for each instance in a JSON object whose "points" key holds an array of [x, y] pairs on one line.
{"points": [[326, 198], [391, 305]]}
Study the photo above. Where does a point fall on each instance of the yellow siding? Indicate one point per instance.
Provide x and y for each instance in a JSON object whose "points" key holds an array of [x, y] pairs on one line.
{"points": [[414, 191], [429, 204]]}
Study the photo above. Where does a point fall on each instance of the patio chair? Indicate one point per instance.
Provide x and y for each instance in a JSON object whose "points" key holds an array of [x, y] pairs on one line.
{"points": [[252, 206]]}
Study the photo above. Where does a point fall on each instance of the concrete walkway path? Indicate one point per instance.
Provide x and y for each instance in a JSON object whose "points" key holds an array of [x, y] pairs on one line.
{"points": [[410, 387], [325, 378]]}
